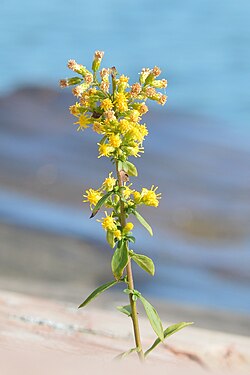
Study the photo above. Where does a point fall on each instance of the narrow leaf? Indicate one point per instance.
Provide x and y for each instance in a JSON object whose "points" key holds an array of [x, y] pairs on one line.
{"points": [[120, 260], [110, 238], [143, 222], [132, 171], [125, 309], [168, 332], [103, 139], [153, 318], [125, 354], [131, 238], [98, 291], [144, 262], [100, 203]]}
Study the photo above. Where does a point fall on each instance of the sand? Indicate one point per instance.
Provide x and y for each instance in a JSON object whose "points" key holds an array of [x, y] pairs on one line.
{"points": [[40, 336]]}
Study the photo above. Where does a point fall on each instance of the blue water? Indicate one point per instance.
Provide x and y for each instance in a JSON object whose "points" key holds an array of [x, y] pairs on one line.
{"points": [[201, 46], [178, 277]]}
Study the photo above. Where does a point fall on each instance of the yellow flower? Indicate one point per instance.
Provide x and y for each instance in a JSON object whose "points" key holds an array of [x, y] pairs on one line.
{"points": [[115, 140], [97, 127], [128, 227], [135, 134], [92, 196], [105, 149], [121, 102], [124, 126], [75, 109], [85, 99], [83, 122], [137, 197], [109, 182], [127, 192], [143, 130], [150, 197], [123, 79], [134, 150], [134, 115], [108, 223], [122, 83], [106, 104], [117, 234]]}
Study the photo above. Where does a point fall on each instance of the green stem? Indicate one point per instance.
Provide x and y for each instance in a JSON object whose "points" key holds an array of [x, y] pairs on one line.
{"points": [[134, 315]]}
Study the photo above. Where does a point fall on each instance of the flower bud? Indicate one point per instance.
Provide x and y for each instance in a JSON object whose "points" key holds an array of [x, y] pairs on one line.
{"points": [[144, 73], [79, 90], [160, 83], [77, 68], [128, 227], [97, 60]]}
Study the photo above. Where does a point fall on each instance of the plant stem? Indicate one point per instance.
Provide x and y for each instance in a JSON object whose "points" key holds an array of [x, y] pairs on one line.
{"points": [[134, 315]]}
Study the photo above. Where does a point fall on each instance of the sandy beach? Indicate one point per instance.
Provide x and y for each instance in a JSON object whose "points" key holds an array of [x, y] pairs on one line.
{"points": [[41, 336]]}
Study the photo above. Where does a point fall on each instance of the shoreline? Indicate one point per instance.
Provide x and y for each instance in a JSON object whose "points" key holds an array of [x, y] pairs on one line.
{"points": [[64, 268]]}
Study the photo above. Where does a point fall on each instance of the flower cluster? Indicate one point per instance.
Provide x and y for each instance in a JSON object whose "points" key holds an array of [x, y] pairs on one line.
{"points": [[131, 198], [114, 109], [112, 106]]}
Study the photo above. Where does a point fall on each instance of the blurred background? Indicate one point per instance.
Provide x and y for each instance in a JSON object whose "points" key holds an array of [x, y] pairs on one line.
{"points": [[198, 152]]}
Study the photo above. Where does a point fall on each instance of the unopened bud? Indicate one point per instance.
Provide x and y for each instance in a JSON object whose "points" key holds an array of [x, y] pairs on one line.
{"points": [[97, 60]]}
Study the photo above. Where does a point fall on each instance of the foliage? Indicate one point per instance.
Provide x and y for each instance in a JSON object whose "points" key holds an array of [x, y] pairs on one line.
{"points": [[114, 108]]}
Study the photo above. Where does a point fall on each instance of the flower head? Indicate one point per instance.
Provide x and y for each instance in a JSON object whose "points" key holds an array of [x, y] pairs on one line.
{"points": [[115, 140], [150, 197], [92, 196], [121, 102], [106, 104], [108, 223], [109, 182], [83, 122], [105, 149]]}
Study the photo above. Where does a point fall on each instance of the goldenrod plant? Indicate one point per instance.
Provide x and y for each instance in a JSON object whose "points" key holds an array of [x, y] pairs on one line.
{"points": [[113, 107]]}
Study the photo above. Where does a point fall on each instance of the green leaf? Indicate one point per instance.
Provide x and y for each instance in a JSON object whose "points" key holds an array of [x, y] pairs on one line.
{"points": [[128, 291], [125, 309], [110, 238], [131, 238], [120, 163], [125, 166], [131, 169], [100, 203], [153, 318], [120, 260], [168, 332], [103, 139], [143, 222], [125, 354], [144, 262], [98, 291]]}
